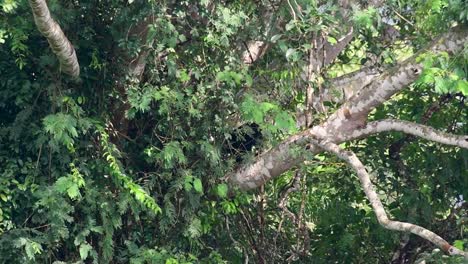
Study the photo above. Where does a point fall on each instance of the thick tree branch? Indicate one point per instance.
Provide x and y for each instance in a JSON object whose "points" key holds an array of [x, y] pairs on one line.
{"points": [[330, 52], [344, 87], [322, 54], [59, 43], [391, 82], [137, 64], [351, 116], [369, 189], [254, 50], [411, 128], [135, 68]]}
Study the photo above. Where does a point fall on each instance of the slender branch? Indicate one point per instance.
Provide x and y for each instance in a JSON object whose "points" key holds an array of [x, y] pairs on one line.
{"points": [[402, 17], [59, 43], [292, 10], [285, 197], [377, 205], [411, 128]]}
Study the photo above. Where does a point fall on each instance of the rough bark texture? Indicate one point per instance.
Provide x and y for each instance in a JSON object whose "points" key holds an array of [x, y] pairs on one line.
{"points": [[254, 50], [382, 217], [348, 123], [344, 87], [59, 43], [351, 116]]}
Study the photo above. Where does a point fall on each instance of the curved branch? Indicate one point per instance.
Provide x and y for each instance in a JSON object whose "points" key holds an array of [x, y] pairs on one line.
{"points": [[59, 43], [369, 189], [411, 128]]}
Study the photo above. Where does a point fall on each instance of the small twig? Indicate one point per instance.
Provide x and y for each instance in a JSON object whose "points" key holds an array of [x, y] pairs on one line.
{"points": [[278, 230], [285, 196], [38, 157], [232, 238], [402, 17], [292, 10], [50, 163], [299, 9]]}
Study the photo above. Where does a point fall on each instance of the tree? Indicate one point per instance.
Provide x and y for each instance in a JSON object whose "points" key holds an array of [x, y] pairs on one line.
{"points": [[122, 158]]}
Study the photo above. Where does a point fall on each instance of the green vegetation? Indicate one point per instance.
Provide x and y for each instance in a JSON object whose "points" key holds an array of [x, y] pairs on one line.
{"points": [[144, 154]]}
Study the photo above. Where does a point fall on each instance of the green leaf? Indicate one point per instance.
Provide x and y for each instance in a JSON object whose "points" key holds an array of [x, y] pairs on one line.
{"points": [[140, 196], [85, 248], [197, 185], [62, 127], [275, 38], [183, 75], [62, 184], [194, 229], [188, 183], [32, 248], [285, 122], [442, 85], [290, 25], [435, 5], [222, 190], [172, 261], [462, 86], [459, 244], [365, 18], [73, 191], [3, 36], [331, 40], [290, 52]]}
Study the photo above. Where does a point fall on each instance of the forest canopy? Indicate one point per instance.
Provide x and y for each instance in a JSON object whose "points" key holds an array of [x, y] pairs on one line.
{"points": [[244, 131]]}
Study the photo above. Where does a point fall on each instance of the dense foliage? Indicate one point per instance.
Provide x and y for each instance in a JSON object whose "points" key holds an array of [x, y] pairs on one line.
{"points": [[119, 168]]}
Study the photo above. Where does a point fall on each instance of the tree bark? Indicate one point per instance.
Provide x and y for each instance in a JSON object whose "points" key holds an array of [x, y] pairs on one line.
{"points": [[351, 116], [59, 43]]}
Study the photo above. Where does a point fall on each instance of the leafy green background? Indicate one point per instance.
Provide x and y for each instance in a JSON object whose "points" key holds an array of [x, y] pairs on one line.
{"points": [[74, 189]]}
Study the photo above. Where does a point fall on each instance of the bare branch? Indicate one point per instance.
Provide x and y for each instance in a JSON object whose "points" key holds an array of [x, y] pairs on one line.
{"points": [[411, 128], [377, 205], [59, 43], [281, 158], [285, 197], [344, 87], [332, 51], [391, 82], [322, 54], [254, 50]]}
